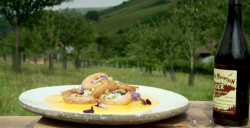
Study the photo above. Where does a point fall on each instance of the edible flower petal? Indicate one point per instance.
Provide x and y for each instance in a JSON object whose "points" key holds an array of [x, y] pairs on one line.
{"points": [[117, 82], [94, 81], [89, 111], [103, 77], [99, 81], [86, 92], [148, 101], [100, 105], [143, 102], [122, 92], [115, 96], [98, 102], [82, 90], [107, 92], [110, 78], [135, 96]]}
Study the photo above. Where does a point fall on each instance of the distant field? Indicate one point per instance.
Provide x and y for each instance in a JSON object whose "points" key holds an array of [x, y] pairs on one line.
{"points": [[128, 14], [34, 76]]}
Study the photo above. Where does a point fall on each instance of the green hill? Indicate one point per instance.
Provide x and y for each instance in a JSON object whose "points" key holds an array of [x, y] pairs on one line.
{"points": [[130, 13], [85, 10]]}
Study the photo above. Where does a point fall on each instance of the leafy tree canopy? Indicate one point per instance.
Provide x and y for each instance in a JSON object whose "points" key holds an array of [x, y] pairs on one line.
{"points": [[17, 11], [92, 15]]}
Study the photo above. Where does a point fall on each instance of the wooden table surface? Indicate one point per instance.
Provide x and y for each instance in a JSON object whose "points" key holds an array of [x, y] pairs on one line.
{"points": [[198, 115]]}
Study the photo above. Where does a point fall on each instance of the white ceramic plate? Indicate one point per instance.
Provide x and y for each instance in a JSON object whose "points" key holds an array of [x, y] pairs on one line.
{"points": [[170, 104]]}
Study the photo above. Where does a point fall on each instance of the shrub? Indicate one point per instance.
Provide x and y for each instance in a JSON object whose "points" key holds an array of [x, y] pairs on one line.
{"points": [[184, 66], [123, 61]]}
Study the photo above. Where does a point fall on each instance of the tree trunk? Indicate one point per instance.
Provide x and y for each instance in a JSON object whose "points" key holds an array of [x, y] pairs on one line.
{"points": [[5, 56], [77, 62], [141, 66], [191, 73], [191, 77], [163, 69], [45, 58], [35, 60], [24, 57], [64, 59], [51, 61], [16, 62], [146, 68], [172, 73], [150, 69]]}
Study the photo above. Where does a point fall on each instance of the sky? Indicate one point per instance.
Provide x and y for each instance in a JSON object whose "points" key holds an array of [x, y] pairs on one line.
{"points": [[88, 3]]}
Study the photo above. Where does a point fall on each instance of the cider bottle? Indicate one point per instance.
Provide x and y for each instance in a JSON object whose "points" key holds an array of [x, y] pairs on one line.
{"points": [[231, 72]]}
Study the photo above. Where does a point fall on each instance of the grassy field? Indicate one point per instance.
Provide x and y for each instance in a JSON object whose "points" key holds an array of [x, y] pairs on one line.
{"points": [[126, 15], [34, 76]]}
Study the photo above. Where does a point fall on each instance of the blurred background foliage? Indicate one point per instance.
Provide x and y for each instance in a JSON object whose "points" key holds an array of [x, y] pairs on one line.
{"points": [[161, 34]]}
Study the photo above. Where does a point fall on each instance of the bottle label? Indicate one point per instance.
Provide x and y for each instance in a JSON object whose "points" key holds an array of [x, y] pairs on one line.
{"points": [[224, 100]]}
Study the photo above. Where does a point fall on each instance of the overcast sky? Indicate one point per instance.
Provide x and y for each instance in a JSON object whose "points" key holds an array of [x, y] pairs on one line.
{"points": [[88, 3]]}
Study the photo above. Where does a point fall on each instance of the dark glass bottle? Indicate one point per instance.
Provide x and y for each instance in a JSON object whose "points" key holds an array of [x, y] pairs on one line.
{"points": [[231, 73]]}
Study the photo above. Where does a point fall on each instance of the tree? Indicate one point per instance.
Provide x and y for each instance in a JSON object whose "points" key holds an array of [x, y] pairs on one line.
{"points": [[82, 35], [167, 43], [31, 44], [198, 25], [6, 43], [142, 40], [74, 31], [91, 52], [17, 12], [92, 15], [50, 34], [66, 35]]}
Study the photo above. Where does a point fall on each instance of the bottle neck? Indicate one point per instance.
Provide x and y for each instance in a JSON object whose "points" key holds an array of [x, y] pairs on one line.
{"points": [[234, 14]]}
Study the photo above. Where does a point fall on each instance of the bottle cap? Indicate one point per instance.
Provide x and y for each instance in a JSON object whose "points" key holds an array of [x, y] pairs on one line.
{"points": [[232, 2]]}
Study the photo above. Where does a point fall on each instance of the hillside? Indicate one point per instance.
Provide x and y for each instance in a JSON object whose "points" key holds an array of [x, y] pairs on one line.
{"points": [[130, 13], [85, 10]]}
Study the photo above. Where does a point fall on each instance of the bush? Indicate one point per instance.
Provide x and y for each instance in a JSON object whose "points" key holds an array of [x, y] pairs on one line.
{"points": [[178, 65], [184, 66], [123, 61]]}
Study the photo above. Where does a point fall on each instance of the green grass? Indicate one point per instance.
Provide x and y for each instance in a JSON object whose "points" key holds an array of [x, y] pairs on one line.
{"points": [[126, 15], [34, 76]]}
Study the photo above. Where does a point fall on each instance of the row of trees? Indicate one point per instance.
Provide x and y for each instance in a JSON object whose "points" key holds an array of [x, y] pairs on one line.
{"points": [[52, 33], [179, 33], [184, 29], [17, 12]]}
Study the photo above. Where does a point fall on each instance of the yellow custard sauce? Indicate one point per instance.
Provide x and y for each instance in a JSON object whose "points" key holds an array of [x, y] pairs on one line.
{"points": [[134, 106]]}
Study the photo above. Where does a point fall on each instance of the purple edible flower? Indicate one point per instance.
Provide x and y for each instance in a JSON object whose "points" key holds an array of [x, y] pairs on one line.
{"points": [[143, 102], [135, 96], [82, 90], [103, 77], [100, 105], [148, 101], [89, 111], [123, 93]]}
